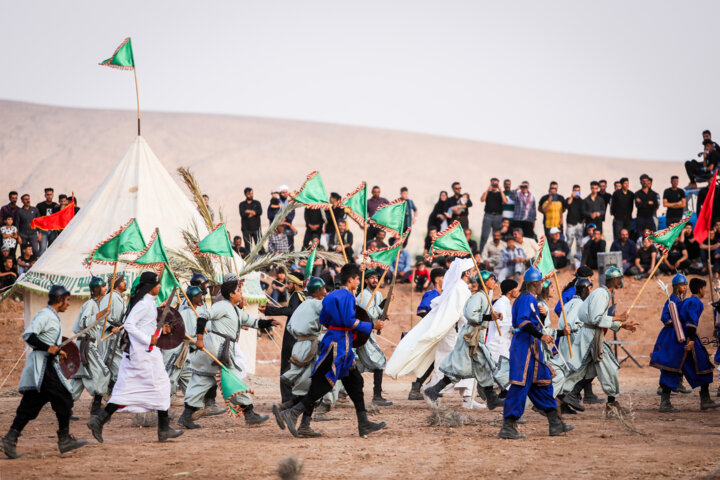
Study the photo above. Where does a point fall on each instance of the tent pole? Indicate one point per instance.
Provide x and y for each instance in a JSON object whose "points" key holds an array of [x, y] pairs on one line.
{"points": [[137, 97]]}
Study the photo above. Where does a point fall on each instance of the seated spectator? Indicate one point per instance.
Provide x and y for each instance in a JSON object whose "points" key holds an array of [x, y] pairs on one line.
{"points": [[421, 276], [347, 238], [693, 248], [277, 241], [592, 248], [644, 259], [676, 259], [628, 248], [513, 260], [529, 245], [404, 268], [10, 235], [491, 254], [26, 260], [8, 272], [278, 287], [713, 242], [589, 230], [702, 171], [238, 246], [505, 230], [559, 248], [380, 239]]}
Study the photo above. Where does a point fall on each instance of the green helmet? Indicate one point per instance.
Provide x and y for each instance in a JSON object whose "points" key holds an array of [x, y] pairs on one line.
{"points": [[96, 282], [485, 275], [314, 284], [613, 272], [192, 290]]}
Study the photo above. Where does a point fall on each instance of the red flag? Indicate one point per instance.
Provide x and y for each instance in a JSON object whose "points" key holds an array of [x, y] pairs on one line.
{"points": [[702, 226], [56, 221]]}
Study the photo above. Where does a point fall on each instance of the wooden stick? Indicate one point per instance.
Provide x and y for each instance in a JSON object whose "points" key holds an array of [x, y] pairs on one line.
{"points": [[378, 286], [337, 231], [110, 297], [137, 97], [562, 307], [86, 329], [487, 294], [212, 356], [362, 280], [237, 270], [646, 282]]}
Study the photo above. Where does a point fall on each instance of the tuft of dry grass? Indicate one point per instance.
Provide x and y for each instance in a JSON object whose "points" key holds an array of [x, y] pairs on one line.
{"points": [[289, 468], [444, 417], [624, 415]]}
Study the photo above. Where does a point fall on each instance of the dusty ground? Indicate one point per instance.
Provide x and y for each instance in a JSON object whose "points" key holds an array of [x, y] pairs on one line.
{"points": [[683, 445]]}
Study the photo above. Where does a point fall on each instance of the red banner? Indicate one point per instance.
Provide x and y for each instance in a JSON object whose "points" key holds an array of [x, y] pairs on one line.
{"points": [[56, 221]]}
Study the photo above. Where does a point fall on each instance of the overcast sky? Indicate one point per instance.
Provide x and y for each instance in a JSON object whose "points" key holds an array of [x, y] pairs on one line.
{"points": [[620, 78]]}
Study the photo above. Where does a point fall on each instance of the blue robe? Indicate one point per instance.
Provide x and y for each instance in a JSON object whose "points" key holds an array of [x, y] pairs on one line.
{"points": [[665, 350], [338, 315], [426, 300]]}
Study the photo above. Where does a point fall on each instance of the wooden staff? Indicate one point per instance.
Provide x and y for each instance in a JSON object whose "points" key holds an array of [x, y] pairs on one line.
{"points": [[562, 307], [212, 356], [112, 290], [378, 286], [101, 315], [337, 231], [364, 246], [487, 294], [137, 97], [646, 282]]}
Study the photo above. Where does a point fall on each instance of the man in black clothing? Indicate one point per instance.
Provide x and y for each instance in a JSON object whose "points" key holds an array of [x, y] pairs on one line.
{"points": [[592, 248], [621, 207], [347, 239], [702, 171], [456, 199], [574, 219], [238, 246], [676, 260], [675, 202], [594, 207], [48, 207], [604, 193], [472, 243], [250, 215], [314, 221], [646, 202], [558, 248], [26, 214], [494, 199]]}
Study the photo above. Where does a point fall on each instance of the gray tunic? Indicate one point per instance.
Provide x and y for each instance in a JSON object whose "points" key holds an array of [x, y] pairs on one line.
{"points": [[370, 356], [46, 325], [96, 377], [181, 375], [305, 326], [110, 349], [460, 364]]}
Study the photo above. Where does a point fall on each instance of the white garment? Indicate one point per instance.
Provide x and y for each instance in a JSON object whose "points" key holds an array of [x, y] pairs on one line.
{"points": [[499, 345], [142, 384]]}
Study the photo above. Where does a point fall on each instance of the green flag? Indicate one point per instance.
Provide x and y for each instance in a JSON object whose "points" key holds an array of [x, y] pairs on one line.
{"points": [[154, 253], [391, 217], [665, 238], [355, 204], [122, 58], [231, 385], [384, 257], [544, 261], [451, 241], [217, 243], [126, 240], [167, 283], [312, 194], [309, 267]]}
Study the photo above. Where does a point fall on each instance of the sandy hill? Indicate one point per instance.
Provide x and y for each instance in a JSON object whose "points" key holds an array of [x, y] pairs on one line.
{"points": [[73, 149]]}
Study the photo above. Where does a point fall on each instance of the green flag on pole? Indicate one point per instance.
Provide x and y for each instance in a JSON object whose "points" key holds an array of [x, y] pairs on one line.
{"points": [[216, 243], [665, 238], [154, 253], [451, 241], [167, 283], [309, 266], [384, 257], [544, 260], [312, 194], [231, 385], [355, 204], [127, 239], [391, 217], [122, 58]]}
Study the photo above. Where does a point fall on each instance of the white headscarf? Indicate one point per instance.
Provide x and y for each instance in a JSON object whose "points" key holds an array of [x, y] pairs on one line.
{"points": [[451, 278]]}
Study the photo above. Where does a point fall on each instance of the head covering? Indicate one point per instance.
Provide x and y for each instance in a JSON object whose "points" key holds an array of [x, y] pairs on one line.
{"points": [[371, 273], [282, 188], [296, 278], [590, 225], [485, 275], [198, 279], [56, 293], [230, 277], [452, 277], [582, 283], [508, 285], [546, 284], [142, 286], [554, 230], [119, 278], [314, 284], [96, 282], [532, 274], [679, 279], [584, 271], [192, 290], [613, 272]]}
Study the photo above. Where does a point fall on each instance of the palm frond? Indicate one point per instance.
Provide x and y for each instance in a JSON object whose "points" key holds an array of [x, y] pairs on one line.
{"points": [[271, 260], [196, 193], [271, 229]]}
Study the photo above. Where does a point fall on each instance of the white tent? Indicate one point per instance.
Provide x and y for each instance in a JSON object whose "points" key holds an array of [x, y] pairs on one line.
{"points": [[138, 187]]}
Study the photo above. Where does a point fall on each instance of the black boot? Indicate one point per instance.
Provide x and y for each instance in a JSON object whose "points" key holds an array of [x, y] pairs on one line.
{"points": [[96, 423], [415, 393], [251, 418], [705, 400], [96, 406], [67, 442], [211, 408], [566, 410], [366, 427], [9, 443], [573, 398], [164, 431], [557, 427], [377, 390], [508, 430], [432, 394], [665, 405], [493, 401], [589, 397], [186, 419], [305, 431], [291, 415]]}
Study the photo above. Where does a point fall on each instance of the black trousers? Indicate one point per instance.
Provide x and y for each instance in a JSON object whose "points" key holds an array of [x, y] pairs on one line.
{"points": [[250, 238], [319, 386], [695, 171], [288, 342], [51, 390]]}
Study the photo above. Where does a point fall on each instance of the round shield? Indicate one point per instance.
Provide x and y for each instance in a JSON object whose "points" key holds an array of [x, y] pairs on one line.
{"points": [[70, 364], [359, 338], [172, 317]]}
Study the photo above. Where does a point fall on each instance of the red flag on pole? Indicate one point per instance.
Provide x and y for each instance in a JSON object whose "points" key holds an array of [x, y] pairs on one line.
{"points": [[56, 221], [702, 226]]}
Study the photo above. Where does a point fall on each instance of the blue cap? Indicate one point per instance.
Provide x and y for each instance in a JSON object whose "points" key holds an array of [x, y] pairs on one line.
{"points": [[679, 279], [532, 274]]}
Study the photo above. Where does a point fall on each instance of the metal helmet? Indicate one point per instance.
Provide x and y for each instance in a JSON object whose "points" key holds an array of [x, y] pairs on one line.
{"points": [[56, 293], [582, 283], [532, 274], [96, 282], [314, 284], [613, 272], [198, 279], [679, 279], [485, 275], [192, 290]]}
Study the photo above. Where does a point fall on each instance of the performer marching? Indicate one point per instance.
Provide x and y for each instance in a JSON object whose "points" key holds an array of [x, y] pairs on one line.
{"points": [[143, 384], [93, 375], [688, 358], [110, 347], [337, 360], [42, 381]]}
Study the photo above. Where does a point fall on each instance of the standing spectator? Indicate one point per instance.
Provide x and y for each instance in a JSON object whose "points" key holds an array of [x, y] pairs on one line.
{"points": [[509, 206], [592, 248], [552, 207], [26, 214], [594, 206], [47, 207], [284, 200], [676, 260], [607, 197], [410, 211], [492, 253], [347, 240], [645, 259], [238, 246], [428, 240], [437, 218], [513, 260], [558, 248], [494, 199], [621, 207], [11, 209], [26, 260], [524, 215], [277, 241], [618, 185], [10, 237], [459, 204], [274, 206], [628, 249], [8, 273], [528, 245], [250, 215], [702, 171], [574, 219], [646, 202], [206, 199], [337, 210], [675, 202], [374, 202], [314, 223], [472, 243]]}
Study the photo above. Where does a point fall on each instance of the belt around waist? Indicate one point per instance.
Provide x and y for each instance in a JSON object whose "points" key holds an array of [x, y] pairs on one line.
{"points": [[339, 329]]}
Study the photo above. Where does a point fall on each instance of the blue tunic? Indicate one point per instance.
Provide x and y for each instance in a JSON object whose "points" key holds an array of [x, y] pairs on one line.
{"points": [[567, 295], [338, 315], [427, 298], [666, 345], [525, 350], [717, 352]]}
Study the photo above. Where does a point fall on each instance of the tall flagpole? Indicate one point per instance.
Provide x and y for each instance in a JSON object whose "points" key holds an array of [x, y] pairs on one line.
{"points": [[137, 96]]}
